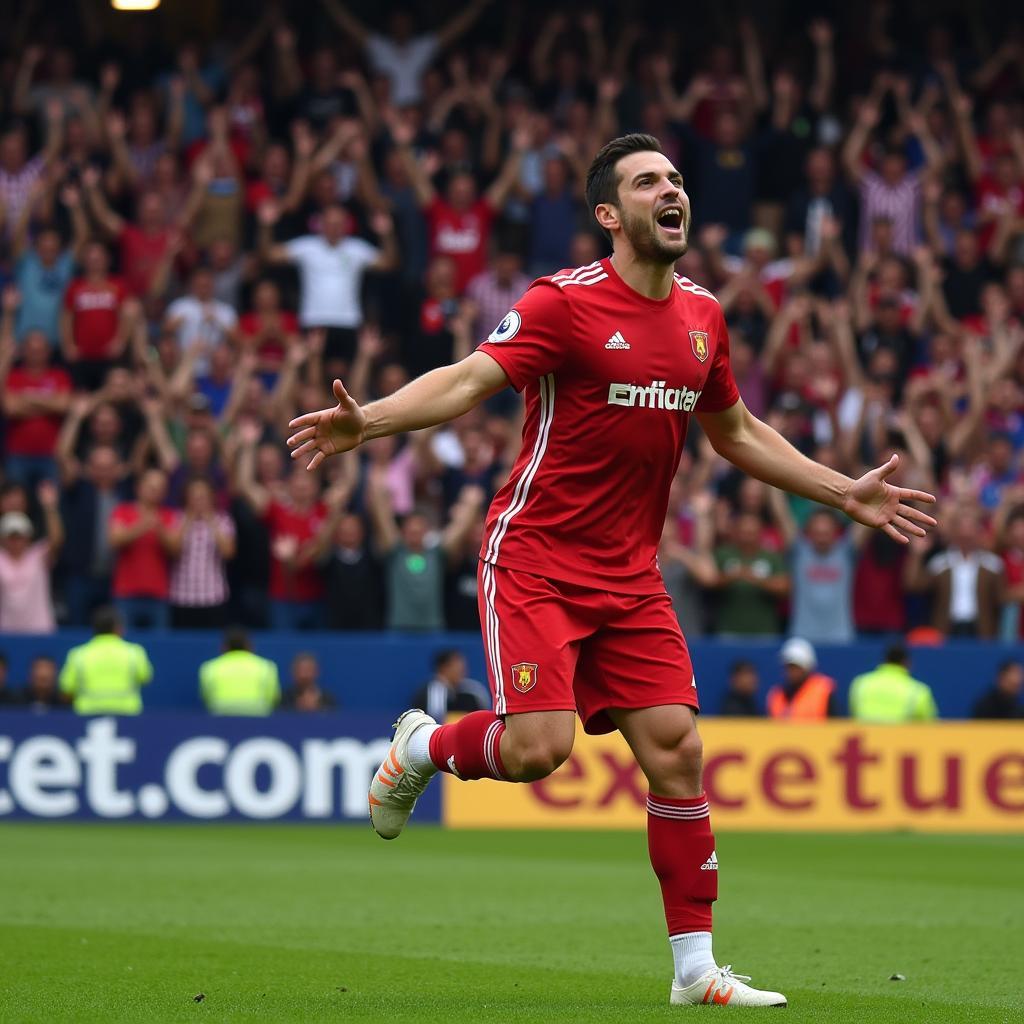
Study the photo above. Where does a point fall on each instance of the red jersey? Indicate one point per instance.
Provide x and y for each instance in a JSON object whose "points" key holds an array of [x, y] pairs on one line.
{"points": [[35, 434], [140, 256], [141, 568], [282, 520], [94, 309], [610, 378], [461, 235]]}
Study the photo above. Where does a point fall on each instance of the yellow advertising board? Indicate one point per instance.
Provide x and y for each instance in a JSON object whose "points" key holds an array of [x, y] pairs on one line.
{"points": [[939, 777]]}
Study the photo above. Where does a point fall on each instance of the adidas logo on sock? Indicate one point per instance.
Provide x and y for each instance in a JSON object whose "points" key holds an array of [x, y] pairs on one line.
{"points": [[616, 341], [711, 864], [451, 765]]}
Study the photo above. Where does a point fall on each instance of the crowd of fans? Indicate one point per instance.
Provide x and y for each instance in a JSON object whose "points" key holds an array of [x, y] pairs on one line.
{"points": [[198, 237]]}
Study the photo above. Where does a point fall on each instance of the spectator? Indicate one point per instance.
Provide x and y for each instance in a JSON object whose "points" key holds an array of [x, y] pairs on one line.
{"points": [[105, 675], [26, 605], [415, 565], [965, 580], [331, 265], [751, 581], [92, 489], [400, 56], [36, 396], [890, 694], [96, 321], [821, 558], [895, 193], [239, 682], [354, 594], [200, 320], [43, 271], [200, 544], [740, 699], [294, 517], [140, 534], [461, 222], [305, 692], [268, 329], [805, 694], [688, 568], [1002, 701], [496, 290], [450, 691], [42, 692]]}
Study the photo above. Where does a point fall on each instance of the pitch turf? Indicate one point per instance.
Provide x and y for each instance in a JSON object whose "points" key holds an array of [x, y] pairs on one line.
{"points": [[267, 923]]}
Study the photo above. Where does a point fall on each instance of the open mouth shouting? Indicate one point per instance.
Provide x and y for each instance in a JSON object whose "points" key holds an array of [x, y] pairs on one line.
{"points": [[670, 221]]}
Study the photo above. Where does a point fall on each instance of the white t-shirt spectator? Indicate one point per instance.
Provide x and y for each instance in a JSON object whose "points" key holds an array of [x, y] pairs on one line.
{"points": [[206, 323], [331, 276], [404, 64]]}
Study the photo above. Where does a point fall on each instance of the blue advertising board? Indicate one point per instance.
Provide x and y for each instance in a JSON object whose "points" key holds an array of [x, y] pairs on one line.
{"points": [[191, 766]]}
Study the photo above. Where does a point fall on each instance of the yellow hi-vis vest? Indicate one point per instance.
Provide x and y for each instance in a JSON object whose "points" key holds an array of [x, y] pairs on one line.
{"points": [[890, 694], [239, 683], [105, 675]]}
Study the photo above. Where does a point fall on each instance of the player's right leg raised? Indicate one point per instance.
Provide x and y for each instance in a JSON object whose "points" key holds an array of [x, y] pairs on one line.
{"points": [[479, 746]]}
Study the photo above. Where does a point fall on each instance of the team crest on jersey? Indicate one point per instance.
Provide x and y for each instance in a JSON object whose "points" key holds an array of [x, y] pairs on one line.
{"points": [[524, 676], [508, 328], [699, 344]]}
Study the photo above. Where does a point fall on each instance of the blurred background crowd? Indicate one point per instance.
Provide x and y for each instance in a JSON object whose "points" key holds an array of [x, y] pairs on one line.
{"points": [[208, 215]]}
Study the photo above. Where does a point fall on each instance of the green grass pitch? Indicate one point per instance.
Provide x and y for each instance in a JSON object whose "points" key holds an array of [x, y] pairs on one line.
{"points": [[114, 923]]}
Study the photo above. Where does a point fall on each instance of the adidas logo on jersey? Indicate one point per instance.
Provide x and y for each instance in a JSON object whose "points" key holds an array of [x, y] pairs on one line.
{"points": [[711, 864], [654, 396], [616, 341]]}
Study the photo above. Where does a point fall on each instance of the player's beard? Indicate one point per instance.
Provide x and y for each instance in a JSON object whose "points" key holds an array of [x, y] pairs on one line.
{"points": [[649, 245]]}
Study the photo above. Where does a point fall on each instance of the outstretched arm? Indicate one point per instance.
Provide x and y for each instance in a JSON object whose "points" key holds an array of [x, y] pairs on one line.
{"points": [[438, 396], [757, 449], [461, 23]]}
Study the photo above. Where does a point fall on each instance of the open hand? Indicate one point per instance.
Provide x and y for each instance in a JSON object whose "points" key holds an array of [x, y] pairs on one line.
{"points": [[873, 501], [328, 432]]}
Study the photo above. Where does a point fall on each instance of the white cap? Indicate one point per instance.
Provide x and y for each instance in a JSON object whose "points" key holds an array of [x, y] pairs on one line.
{"points": [[15, 522], [797, 651]]}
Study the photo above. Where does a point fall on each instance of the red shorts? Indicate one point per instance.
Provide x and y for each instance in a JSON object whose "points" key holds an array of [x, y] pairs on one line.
{"points": [[555, 646]]}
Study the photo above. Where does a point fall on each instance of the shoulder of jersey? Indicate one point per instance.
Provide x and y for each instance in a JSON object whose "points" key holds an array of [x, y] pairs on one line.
{"points": [[684, 284], [583, 277]]}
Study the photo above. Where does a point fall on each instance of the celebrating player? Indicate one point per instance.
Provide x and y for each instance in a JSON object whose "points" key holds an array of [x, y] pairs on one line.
{"points": [[613, 358]]}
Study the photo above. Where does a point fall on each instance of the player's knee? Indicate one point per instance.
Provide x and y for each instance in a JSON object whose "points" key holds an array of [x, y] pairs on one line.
{"points": [[677, 762], [690, 754], [536, 761]]}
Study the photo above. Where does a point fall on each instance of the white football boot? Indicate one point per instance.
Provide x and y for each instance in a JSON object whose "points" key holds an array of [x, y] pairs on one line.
{"points": [[720, 987], [397, 785]]}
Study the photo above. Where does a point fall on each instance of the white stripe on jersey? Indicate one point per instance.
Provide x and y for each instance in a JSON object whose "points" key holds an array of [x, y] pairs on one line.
{"points": [[546, 389], [578, 270], [581, 281], [687, 285], [492, 642]]}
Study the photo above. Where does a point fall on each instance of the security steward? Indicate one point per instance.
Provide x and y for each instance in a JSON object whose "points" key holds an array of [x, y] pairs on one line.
{"points": [[239, 682], [105, 675], [890, 693], [806, 695]]}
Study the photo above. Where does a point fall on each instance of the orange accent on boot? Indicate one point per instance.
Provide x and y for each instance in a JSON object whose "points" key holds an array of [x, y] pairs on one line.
{"points": [[374, 801], [722, 996], [385, 780]]}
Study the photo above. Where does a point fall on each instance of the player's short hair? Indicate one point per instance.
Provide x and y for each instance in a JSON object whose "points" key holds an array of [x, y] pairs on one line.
{"points": [[602, 179], [236, 639], [442, 658], [105, 620]]}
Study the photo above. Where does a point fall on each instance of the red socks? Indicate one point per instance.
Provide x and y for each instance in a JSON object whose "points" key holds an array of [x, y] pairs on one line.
{"points": [[682, 849], [469, 748]]}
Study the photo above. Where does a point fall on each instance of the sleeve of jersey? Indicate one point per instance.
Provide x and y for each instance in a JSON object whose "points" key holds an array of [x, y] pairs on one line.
{"points": [[719, 392], [532, 339]]}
